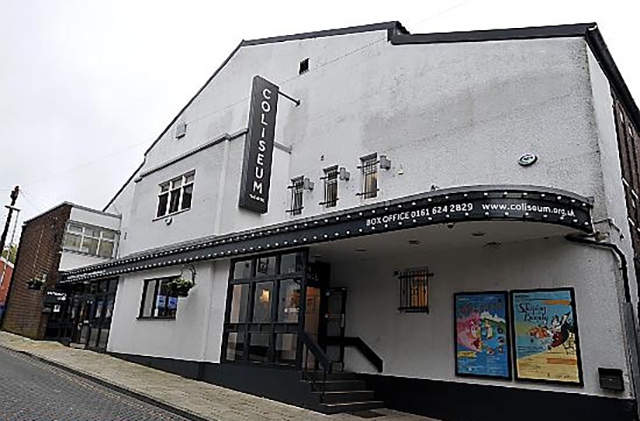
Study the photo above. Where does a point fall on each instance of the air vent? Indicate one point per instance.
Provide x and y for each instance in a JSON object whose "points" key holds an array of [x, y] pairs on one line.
{"points": [[304, 66], [181, 130]]}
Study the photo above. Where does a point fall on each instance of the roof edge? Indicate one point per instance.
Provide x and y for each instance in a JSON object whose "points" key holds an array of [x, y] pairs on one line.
{"points": [[601, 52], [382, 26], [553, 31]]}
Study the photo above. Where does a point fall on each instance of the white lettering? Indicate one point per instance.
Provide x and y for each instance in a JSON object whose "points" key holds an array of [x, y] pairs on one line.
{"points": [[257, 187], [259, 173], [259, 159], [266, 92], [262, 120], [262, 145], [266, 107]]}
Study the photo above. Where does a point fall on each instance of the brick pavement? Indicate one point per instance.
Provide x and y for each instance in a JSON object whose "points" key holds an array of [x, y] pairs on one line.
{"points": [[191, 398], [32, 390]]}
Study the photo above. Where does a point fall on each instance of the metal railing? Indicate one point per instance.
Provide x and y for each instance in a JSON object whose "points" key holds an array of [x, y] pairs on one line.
{"points": [[320, 360]]}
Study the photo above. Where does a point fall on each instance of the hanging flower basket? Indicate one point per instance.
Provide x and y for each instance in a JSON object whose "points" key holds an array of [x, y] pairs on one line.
{"points": [[35, 283], [180, 286]]}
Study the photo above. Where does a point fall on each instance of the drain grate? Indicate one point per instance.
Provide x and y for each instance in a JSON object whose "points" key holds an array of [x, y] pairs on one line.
{"points": [[366, 414]]}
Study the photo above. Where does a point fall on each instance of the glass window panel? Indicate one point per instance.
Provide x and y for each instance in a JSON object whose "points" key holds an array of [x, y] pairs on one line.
{"points": [[286, 347], [239, 303], [72, 241], [89, 245], [266, 266], [98, 309], [113, 285], [91, 232], [187, 195], [104, 337], [176, 183], [189, 178], [263, 297], [164, 187], [106, 248], [242, 270], [108, 311], [163, 199], [291, 263], [175, 201], [259, 347], [110, 235], [289, 301], [74, 228], [235, 346], [147, 305]]}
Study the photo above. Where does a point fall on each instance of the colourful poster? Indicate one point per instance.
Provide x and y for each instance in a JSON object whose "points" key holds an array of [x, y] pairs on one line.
{"points": [[482, 335], [546, 335]]}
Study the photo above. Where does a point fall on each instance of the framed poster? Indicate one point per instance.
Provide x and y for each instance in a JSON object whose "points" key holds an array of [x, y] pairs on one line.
{"points": [[482, 335], [545, 329]]}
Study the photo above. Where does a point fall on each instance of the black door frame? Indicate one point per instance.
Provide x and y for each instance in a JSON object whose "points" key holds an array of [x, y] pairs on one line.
{"points": [[325, 340]]}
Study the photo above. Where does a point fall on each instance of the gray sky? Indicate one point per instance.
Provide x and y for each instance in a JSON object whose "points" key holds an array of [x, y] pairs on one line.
{"points": [[86, 86]]}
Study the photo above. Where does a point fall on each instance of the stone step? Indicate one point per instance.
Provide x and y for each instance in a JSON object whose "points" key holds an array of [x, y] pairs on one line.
{"points": [[346, 396], [336, 408]]}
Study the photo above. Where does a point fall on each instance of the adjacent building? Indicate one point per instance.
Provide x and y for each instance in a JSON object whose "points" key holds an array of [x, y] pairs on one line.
{"points": [[63, 238], [6, 271], [444, 224]]}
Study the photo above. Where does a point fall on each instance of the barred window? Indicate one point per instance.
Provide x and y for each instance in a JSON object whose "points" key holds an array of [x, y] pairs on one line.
{"points": [[369, 167], [297, 188], [330, 187], [414, 290]]}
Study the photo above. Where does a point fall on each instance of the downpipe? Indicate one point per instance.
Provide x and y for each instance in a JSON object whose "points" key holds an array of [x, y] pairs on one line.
{"points": [[628, 314]]}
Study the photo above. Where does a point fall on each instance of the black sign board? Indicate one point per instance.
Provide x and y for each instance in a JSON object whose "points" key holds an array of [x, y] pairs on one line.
{"points": [[258, 151], [457, 205]]}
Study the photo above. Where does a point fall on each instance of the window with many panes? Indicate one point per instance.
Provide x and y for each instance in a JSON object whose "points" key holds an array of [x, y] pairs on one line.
{"points": [[157, 301], [297, 189], [330, 186], [263, 311], [89, 239], [414, 290], [175, 195], [369, 168]]}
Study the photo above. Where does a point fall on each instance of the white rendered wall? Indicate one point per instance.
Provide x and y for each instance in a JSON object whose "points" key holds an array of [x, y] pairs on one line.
{"points": [[195, 333], [71, 260], [445, 114], [121, 205], [422, 345], [614, 195]]}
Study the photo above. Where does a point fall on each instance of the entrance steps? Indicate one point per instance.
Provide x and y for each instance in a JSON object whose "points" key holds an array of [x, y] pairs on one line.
{"points": [[340, 392]]}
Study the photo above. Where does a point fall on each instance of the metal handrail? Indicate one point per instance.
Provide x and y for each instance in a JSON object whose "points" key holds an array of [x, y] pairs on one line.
{"points": [[320, 358], [361, 346]]}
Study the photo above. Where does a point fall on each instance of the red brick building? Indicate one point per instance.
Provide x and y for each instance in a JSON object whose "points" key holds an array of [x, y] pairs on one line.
{"points": [[6, 271], [38, 256]]}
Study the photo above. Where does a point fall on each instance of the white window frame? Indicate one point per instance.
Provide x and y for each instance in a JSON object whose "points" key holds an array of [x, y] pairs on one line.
{"points": [[101, 238], [167, 188]]}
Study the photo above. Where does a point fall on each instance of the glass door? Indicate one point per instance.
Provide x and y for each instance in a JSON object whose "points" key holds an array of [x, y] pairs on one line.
{"points": [[334, 323]]}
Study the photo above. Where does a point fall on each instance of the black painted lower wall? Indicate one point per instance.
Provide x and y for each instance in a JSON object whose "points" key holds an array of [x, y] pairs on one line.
{"points": [[281, 384], [447, 401], [453, 401]]}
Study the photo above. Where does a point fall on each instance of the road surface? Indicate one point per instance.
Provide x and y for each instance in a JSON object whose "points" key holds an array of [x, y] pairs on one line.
{"points": [[31, 390]]}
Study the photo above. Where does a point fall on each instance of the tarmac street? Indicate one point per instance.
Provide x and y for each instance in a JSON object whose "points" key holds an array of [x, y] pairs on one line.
{"points": [[38, 378], [31, 390]]}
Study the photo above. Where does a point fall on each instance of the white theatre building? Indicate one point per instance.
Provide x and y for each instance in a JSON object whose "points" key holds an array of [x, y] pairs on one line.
{"points": [[443, 224]]}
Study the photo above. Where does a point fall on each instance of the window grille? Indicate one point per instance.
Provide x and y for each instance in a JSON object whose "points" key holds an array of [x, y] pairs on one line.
{"points": [[330, 186], [297, 188], [414, 290], [369, 167]]}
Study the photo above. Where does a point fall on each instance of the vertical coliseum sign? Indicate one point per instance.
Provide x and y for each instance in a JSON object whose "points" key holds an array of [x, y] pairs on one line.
{"points": [[258, 151]]}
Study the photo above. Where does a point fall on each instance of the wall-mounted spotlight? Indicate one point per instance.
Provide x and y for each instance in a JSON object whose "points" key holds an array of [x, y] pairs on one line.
{"points": [[385, 163], [307, 184], [343, 174]]}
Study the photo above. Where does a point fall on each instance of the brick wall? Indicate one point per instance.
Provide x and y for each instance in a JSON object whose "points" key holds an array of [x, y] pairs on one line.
{"points": [[38, 254]]}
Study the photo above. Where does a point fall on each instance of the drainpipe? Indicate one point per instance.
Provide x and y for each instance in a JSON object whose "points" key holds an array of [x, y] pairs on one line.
{"points": [[616, 250], [628, 315]]}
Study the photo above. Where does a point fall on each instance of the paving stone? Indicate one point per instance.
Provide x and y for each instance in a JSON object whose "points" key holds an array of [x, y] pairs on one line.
{"points": [[201, 399]]}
